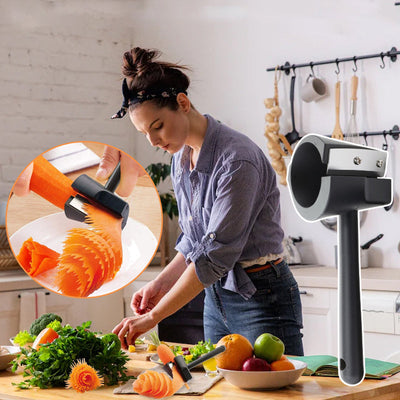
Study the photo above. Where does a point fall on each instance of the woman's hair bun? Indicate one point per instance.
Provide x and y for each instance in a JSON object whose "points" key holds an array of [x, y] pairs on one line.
{"points": [[145, 72], [138, 61]]}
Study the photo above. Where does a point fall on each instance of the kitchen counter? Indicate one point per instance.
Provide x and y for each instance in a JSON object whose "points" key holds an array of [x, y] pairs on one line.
{"points": [[16, 280], [387, 279], [306, 388], [325, 277]]}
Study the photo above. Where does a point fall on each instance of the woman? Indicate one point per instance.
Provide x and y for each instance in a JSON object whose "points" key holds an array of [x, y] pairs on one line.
{"points": [[229, 214]]}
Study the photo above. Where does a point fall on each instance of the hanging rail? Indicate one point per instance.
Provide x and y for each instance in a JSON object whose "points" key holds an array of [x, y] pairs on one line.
{"points": [[394, 133], [392, 54]]}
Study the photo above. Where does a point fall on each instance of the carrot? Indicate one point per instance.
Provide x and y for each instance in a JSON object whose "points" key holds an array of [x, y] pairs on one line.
{"points": [[162, 381], [154, 384], [51, 184], [92, 256], [36, 258], [166, 355], [47, 335]]}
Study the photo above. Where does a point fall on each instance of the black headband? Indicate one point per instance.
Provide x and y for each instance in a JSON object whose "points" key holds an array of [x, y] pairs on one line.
{"points": [[134, 97]]}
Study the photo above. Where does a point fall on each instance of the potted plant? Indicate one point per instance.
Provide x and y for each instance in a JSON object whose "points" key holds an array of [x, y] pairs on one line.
{"points": [[158, 173]]}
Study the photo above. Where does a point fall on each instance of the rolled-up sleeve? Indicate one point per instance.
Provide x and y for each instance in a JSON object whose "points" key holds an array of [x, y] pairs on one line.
{"points": [[230, 220], [183, 245]]}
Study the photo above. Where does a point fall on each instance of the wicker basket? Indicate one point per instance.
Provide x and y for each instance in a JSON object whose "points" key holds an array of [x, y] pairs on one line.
{"points": [[7, 259], [3, 238]]}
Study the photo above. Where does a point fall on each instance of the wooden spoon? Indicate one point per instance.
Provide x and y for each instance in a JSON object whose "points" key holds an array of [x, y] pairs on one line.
{"points": [[337, 131]]}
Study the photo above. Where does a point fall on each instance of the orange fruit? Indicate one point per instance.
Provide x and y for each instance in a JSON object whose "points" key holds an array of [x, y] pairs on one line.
{"points": [[238, 349], [283, 364]]}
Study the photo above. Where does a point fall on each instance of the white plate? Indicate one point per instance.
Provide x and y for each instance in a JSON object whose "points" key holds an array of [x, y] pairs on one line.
{"points": [[138, 245], [6, 359], [264, 379]]}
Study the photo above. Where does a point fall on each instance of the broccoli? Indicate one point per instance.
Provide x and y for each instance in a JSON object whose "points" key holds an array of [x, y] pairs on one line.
{"points": [[39, 324]]}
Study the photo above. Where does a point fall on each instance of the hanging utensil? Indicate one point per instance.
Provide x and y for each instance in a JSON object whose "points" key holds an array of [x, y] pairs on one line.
{"points": [[352, 131], [337, 131], [391, 168], [292, 136], [367, 245]]}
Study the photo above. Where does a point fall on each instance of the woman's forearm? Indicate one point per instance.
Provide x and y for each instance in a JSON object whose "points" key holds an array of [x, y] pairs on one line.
{"points": [[171, 273], [187, 287]]}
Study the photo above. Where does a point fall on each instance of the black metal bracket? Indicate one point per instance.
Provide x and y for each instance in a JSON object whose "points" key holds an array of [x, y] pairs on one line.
{"points": [[46, 294], [392, 54]]}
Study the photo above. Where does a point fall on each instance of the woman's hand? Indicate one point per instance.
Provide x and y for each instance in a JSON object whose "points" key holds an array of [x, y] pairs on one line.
{"points": [[21, 187], [130, 169], [145, 299], [129, 329]]}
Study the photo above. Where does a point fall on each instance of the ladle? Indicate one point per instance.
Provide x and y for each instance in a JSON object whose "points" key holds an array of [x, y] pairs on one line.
{"points": [[292, 136]]}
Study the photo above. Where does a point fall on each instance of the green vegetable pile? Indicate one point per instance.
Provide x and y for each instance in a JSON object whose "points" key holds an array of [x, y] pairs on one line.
{"points": [[48, 320], [50, 366], [194, 352], [40, 323]]}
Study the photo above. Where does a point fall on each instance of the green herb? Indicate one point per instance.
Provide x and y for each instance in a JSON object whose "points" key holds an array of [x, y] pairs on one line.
{"points": [[154, 338], [50, 366], [23, 337]]}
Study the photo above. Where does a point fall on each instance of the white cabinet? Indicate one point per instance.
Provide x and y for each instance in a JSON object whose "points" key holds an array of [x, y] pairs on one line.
{"points": [[319, 320], [320, 314], [104, 312]]}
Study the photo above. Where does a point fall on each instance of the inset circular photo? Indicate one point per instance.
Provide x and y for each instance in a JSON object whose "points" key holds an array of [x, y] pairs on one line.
{"points": [[84, 219]]}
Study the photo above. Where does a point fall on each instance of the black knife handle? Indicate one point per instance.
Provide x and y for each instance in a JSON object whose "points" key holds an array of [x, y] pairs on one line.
{"points": [[207, 356], [113, 180]]}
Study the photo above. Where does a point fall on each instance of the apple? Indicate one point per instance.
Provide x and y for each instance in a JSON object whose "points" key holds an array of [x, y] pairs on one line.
{"points": [[255, 364], [269, 347]]}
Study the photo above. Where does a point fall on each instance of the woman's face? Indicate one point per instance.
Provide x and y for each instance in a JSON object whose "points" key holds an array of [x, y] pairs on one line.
{"points": [[163, 127]]}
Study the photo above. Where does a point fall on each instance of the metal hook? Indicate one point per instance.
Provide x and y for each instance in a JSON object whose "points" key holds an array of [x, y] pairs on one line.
{"points": [[294, 69], [355, 64], [312, 68], [337, 72], [385, 145], [383, 62], [365, 138]]}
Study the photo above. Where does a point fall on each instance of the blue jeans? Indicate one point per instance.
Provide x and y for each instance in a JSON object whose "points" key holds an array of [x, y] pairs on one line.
{"points": [[274, 308]]}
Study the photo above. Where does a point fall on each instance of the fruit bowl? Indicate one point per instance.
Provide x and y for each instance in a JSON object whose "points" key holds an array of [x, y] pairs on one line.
{"points": [[264, 379]]}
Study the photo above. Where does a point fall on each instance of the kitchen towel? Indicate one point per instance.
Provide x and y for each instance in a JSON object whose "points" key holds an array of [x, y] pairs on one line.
{"points": [[199, 384], [32, 306], [71, 157]]}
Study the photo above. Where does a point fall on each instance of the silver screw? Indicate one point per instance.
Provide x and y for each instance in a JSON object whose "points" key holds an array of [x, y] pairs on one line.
{"points": [[357, 160], [379, 163]]}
